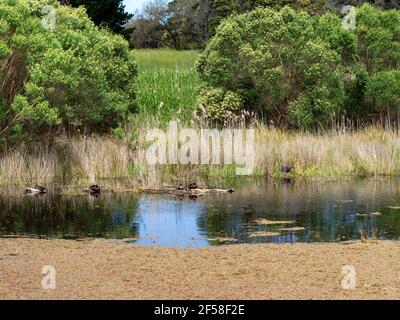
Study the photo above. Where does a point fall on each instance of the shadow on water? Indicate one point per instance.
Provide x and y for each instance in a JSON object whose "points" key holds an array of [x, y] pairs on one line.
{"points": [[308, 212]]}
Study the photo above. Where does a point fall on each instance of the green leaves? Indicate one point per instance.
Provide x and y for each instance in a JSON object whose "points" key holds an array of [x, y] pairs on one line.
{"points": [[383, 91], [271, 60], [303, 70], [218, 104], [76, 76]]}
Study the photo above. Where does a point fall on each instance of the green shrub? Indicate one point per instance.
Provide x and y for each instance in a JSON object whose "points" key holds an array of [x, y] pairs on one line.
{"points": [[275, 59], [383, 92], [73, 77], [303, 70], [378, 38], [218, 104]]}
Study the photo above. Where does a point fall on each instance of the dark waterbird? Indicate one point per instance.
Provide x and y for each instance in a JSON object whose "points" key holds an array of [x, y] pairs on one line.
{"points": [[95, 189], [286, 169], [36, 190], [193, 186]]}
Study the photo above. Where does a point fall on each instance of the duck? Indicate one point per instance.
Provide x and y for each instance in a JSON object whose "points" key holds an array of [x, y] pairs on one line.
{"points": [[180, 187], [36, 190], [95, 189], [193, 186], [286, 169]]}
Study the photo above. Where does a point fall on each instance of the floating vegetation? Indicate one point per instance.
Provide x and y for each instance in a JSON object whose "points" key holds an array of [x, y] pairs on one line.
{"points": [[368, 214], [294, 229], [223, 239], [266, 222], [376, 214], [264, 234]]}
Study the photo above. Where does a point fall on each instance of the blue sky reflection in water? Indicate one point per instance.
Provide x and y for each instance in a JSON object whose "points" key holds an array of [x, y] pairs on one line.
{"points": [[328, 212], [169, 222]]}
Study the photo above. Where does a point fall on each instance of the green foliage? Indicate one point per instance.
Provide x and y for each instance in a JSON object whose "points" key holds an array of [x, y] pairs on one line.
{"points": [[190, 24], [383, 91], [312, 6], [105, 13], [218, 104], [303, 70], [162, 59], [373, 88], [275, 59], [74, 77], [220, 9]]}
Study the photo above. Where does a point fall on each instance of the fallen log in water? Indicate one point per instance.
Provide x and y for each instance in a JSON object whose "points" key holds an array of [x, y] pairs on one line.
{"points": [[192, 192]]}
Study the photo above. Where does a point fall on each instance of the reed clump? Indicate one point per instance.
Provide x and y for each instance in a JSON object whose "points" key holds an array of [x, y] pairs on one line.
{"points": [[370, 153]]}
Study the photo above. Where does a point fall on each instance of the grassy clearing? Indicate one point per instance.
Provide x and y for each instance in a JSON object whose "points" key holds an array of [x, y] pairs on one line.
{"points": [[167, 59], [167, 94], [168, 84]]}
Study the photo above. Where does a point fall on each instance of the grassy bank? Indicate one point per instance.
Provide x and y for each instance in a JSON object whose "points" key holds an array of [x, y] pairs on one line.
{"points": [[334, 156]]}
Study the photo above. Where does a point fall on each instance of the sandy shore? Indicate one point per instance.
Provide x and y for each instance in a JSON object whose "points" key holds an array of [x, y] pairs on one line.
{"points": [[102, 269]]}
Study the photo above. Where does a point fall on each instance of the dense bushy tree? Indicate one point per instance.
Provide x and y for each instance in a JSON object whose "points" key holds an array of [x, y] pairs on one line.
{"points": [[147, 25], [220, 9], [191, 23], [378, 38], [300, 69], [191, 19], [70, 75], [180, 24], [282, 64], [312, 6], [107, 13]]}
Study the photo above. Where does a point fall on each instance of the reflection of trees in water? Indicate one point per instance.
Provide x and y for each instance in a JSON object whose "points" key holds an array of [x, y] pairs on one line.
{"points": [[64, 216], [324, 210], [221, 219]]}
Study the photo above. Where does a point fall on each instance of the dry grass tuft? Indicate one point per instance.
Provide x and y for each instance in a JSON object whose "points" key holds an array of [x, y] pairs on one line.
{"points": [[371, 152]]}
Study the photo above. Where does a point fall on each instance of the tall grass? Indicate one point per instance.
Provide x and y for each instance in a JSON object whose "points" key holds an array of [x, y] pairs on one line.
{"points": [[168, 94], [166, 59], [168, 84], [76, 160], [372, 152]]}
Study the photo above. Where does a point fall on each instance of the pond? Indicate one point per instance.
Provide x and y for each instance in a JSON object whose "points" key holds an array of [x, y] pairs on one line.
{"points": [[257, 212]]}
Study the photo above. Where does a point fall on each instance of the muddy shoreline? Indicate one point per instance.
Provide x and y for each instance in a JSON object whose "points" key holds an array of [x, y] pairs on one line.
{"points": [[109, 269]]}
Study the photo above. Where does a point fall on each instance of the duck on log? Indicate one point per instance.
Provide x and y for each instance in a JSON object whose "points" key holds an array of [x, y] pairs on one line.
{"points": [[36, 190]]}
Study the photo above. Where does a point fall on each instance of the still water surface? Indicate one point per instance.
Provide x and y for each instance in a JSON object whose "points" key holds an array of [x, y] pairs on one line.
{"points": [[329, 212]]}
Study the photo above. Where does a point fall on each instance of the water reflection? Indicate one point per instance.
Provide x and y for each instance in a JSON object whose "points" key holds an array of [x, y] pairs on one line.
{"points": [[321, 212], [170, 221], [68, 217]]}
